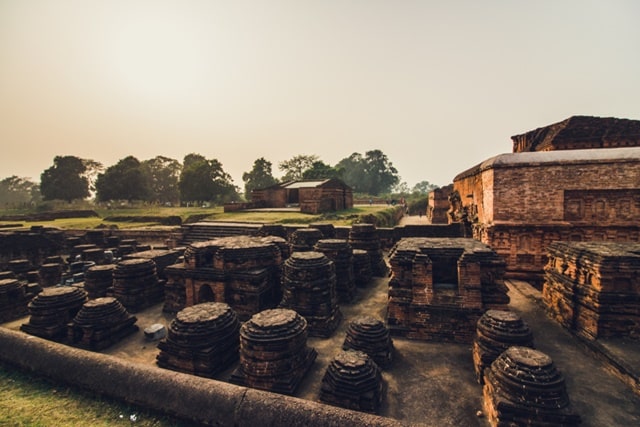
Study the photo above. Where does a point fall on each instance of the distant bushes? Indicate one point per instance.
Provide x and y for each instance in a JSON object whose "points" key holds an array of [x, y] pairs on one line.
{"points": [[50, 216], [385, 218]]}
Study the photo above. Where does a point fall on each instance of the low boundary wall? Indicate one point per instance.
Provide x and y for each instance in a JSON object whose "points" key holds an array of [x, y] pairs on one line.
{"points": [[185, 396]]}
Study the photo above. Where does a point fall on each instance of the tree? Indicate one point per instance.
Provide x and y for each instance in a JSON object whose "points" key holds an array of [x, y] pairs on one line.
{"points": [[163, 174], [423, 187], [16, 191], [205, 180], [372, 174], [66, 179], [260, 176], [126, 180], [321, 170], [295, 167]]}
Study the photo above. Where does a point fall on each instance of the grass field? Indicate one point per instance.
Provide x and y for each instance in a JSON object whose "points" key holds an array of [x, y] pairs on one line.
{"points": [[26, 400], [345, 217]]}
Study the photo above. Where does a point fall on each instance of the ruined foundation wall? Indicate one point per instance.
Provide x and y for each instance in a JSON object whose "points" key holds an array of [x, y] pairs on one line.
{"points": [[189, 397]]}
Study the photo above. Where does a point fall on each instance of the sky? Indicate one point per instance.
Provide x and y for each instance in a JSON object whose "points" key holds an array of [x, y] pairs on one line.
{"points": [[438, 86]]}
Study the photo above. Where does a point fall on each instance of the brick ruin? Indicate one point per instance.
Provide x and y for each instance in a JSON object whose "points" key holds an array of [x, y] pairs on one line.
{"points": [[523, 387], [580, 132], [438, 205], [439, 288], [520, 203], [593, 288], [243, 271], [312, 196]]}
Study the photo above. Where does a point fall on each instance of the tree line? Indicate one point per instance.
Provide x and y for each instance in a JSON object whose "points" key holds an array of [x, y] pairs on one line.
{"points": [[196, 180]]}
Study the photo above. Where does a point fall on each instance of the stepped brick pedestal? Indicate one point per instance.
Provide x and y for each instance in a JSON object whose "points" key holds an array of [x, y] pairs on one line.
{"points": [[13, 299], [202, 340], [98, 280], [365, 237], [309, 288], [341, 253], [136, 284], [326, 228], [50, 274], [52, 309], [303, 239], [361, 267], [523, 388], [371, 336], [353, 381], [273, 352], [100, 323], [498, 330]]}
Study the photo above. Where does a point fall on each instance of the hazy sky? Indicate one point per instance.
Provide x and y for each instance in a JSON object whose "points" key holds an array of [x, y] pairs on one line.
{"points": [[438, 86]]}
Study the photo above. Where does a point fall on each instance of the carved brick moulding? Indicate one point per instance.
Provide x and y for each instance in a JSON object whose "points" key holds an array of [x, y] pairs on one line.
{"points": [[100, 323], [136, 284], [51, 310], [371, 336], [353, 381], [273, 351], [523, 387], [593, 288], [498, 330], [309, 288], [98, 279], [13, 299], [202, 340], [340, 252], [365, 237], [440, 287]]}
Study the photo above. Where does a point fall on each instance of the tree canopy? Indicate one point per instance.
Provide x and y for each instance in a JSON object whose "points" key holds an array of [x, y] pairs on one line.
{"points": [[260, 176], [295, 167], [126, 180], [204, 180], [372, 173], [321, 170], [163, 175], [16, 191], [67, 179]]}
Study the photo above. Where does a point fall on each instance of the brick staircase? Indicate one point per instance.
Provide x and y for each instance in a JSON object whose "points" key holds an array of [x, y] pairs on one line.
{"points": [[209, 230]]}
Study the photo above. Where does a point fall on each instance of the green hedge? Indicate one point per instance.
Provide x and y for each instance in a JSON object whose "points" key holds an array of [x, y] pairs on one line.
{"points": [[385, 218]]}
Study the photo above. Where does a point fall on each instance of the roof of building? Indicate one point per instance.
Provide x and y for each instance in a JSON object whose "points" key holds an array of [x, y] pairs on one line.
{"points": [[304, 183], [577, 129], [595, 155]]}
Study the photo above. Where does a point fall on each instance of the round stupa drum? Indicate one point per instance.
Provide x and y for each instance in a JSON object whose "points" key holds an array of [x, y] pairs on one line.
{"points": [[340, 252], [303, 239], [371, 336], [98, 279]]}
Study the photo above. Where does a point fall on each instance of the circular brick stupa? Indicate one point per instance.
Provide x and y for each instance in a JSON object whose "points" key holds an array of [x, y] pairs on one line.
{"points": [[340, 252], [309, 283], [353, 381], [371, 336], [202, 340], [52, 309], [101, 323], [523, 387], [496, 331], [273, 351]]}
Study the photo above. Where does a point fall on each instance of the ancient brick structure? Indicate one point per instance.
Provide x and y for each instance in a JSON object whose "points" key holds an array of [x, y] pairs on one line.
{"points": [[340, 252], [136, 284], [580, 132], [593, 288], [52, 309], [309, 288], [312, 196], [202, 340], [100, 323], [303, 239], [243, 271], [439, 288], [438, 205], [520, 203], [34, 245], [273, 351], [98, 280], [498, 330], [365, 237], [361, 267], [161, 257], [371, 336], [13, 299], [353, 381], [522, 387]]}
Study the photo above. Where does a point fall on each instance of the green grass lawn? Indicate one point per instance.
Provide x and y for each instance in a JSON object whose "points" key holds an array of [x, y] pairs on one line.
{"points": [[26, 400], [345, 217]]}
